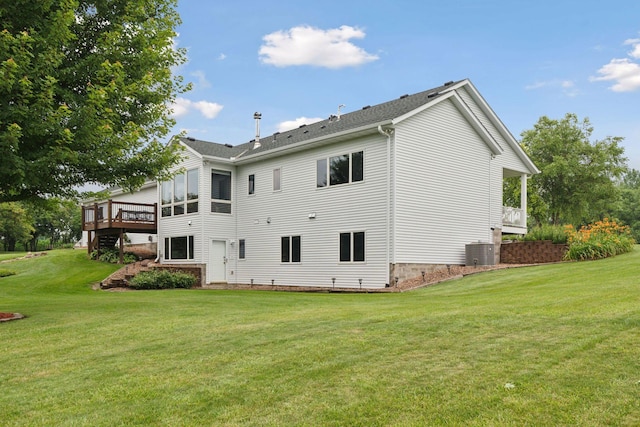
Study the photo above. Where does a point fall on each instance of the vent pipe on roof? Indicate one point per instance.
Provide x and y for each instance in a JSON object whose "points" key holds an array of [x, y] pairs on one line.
{"points": [[340, 107], [257, 116]]}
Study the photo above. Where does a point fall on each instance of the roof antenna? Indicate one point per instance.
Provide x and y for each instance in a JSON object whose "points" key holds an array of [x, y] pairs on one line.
{"points": [[257, 116], [340, 107]]}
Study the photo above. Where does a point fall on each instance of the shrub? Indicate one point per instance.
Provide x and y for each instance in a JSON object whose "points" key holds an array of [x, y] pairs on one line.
{"points": [[162, 279], [556, 233], [112, 256], [601, 239], [5, 273]]}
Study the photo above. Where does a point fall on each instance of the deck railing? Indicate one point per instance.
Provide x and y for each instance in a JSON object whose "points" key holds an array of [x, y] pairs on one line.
{"points": [[112, 214]]}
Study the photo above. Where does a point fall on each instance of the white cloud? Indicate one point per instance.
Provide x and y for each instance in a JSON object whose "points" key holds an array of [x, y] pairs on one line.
{"points": [[180, 107], [222, 57], [202, 82], [208, 109], [292, 124], [183, 106], [306, 45], [567, 86], [635, 47], [624, 72]]}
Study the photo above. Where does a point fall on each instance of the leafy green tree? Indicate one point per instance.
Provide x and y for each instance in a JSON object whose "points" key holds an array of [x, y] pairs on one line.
{"points": [[85, 94], [15, 225], [57, 220], [577, 183], [628, 209]]}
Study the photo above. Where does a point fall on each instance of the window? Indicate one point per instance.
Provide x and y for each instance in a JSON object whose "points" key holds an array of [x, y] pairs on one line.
{"points": [[276, 179], [342, 169], [352, 247], [290, 249], [252, 184], [241, 249], [178, 247], [181, 194], [221, 192]]}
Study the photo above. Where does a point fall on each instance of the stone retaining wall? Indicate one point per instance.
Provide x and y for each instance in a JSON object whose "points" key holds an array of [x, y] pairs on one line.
{"points": [[535, 252]]}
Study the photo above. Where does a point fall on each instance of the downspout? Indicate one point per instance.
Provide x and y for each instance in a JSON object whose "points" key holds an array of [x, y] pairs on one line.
{"points": [[158, 222], [387, 133]]}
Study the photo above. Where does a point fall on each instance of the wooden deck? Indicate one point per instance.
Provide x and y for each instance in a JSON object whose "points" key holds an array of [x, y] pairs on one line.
{"points": [[131, 217], [107, 222]]}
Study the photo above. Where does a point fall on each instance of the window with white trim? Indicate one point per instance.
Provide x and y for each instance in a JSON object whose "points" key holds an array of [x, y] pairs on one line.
{"points": [[352, 247], [242, 249], [276, 179], [179, 247], [252, 184], [180, 195], [221, 191], [290, 249], [342, 169]]}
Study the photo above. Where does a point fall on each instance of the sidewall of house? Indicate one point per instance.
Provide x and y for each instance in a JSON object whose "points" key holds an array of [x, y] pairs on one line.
{"points": [[317, 215], [444, 186]]}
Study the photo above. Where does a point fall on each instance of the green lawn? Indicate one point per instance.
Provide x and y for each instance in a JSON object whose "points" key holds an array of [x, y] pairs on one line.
{"points": [[10, 255], [548, 345]]}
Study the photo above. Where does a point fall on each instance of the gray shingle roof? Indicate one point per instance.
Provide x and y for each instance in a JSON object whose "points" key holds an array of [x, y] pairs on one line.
{"points": [[348, 121]]}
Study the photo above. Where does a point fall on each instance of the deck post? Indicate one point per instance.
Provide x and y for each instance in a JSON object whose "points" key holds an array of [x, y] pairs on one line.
{"points": [[121, 246], [109, 212]]}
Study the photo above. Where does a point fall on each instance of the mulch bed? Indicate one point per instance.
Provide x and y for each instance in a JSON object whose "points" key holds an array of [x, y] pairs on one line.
{"points": [[5, 317]]}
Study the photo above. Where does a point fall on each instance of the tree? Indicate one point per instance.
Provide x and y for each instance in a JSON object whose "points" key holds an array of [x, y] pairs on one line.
{"points": [[85, 93], [628, 209], [58, 220], [577, 183], [15, 225]]}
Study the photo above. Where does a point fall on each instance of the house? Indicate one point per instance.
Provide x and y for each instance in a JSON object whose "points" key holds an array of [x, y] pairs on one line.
{"points": [[361, 199]]}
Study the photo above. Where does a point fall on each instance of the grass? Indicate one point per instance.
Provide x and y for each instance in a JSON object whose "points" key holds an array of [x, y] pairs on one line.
{"points": [[11, 255], [564, 335]]}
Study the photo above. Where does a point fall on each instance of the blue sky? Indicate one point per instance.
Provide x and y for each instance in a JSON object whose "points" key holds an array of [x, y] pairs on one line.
{"points": [[296, 61]]}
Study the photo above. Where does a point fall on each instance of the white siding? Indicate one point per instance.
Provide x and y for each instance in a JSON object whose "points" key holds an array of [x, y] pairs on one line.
{"points": [[508, 159], [187, 224], [354, 207], [443, 191]]}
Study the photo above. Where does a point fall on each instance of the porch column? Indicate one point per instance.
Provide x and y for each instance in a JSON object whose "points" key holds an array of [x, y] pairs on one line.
{"points": [[523, 198]]}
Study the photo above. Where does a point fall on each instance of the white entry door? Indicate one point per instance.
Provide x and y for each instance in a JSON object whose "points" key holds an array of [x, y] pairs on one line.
{"points": [[217, 268]]}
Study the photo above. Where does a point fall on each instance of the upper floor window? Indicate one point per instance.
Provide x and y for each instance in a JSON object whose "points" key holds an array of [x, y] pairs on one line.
{"points": [[180, 195], [221, 191], [276, 179], [252, 184], [341, 169]]}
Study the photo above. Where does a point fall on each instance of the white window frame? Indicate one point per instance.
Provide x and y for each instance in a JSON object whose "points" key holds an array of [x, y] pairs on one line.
{"points": [[327, 171]]}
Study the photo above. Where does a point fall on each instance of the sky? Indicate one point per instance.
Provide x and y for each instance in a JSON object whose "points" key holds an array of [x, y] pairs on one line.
{"points": [[296, 61]]}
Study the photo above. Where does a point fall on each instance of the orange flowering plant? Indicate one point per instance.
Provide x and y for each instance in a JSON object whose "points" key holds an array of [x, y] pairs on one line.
{"points": [[600, 239]]}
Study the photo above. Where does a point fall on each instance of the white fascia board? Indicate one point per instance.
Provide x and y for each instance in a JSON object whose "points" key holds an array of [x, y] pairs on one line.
{"points": [[506, 134], [215, 159], [326, 139], [452, 95]]}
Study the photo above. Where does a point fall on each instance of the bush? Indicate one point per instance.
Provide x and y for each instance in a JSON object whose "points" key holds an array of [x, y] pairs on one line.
{"points": [[162, 279], [112, 256], [556, 233], [601, 239], [5, 273]]}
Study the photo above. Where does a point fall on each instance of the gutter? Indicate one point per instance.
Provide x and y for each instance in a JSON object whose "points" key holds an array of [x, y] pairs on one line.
{"points": [[300, 145]]}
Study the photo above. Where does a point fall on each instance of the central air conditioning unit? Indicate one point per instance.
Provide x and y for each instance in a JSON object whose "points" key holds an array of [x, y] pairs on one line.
{"points": [[480, 253]]}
